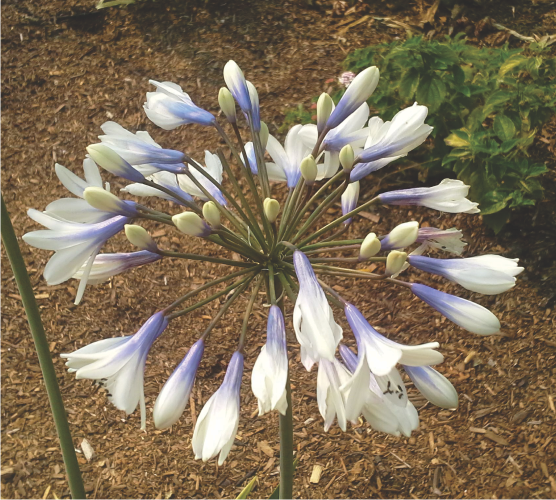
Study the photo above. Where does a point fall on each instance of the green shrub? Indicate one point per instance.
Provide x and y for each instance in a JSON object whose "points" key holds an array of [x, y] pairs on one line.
{"points": [[486, 106]]}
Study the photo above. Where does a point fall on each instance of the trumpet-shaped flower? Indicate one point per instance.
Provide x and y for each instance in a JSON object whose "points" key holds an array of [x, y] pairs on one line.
{"points": [[174, 396], [329, 397], [487, 274], [288, 158], [73, 209], [237, 85], [449, 240], [449, 196], [313, 321], [107, 265], [74, 244], [381, 353], [434, 386], [169, 107], [164, 179], [214, 169], [467, 314], [360, 89], [270, 373], [118, 364], [390, 140], [349, 200], [138, 148], [217, 424]]}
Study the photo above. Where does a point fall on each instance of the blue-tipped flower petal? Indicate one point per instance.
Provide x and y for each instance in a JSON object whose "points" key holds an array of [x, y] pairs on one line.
{"points": [[255, 109], [349, 199], [434, 386], [470, 316], [237, 85], [118, 364], [174, 396], [217, 424]]}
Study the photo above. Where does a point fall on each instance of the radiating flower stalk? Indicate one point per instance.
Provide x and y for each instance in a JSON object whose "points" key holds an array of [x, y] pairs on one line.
{"points": [[277, 243]]}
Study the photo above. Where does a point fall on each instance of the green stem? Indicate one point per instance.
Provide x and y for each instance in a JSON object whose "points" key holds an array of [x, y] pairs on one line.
{"points": [[205, 258], [43, 352], [248, 310], [187, 203], [271, 284], [323, 244]]}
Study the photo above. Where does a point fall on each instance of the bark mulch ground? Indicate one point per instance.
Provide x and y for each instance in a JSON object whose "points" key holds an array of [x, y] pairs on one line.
{"points": [[66, 70]]}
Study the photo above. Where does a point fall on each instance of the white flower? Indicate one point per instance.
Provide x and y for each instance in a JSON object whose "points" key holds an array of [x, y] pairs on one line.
{"points": [[329, 396], [214, 169], [165, 179], [449, 196], [313, 321], [75, 244], [381, 353], [349, 199], [467, 314], [434, 386], [118, 364], [487, 274], [217, 424], [270, 373], [449, 240], [174, 396], [169, 107], [274, 172]]}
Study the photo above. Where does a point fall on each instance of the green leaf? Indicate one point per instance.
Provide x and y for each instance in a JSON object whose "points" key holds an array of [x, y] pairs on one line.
{"points": [[431, 92], [409, 83], [504, 128], [511, 63], [494, 201], [245, 491], [498, 220]]}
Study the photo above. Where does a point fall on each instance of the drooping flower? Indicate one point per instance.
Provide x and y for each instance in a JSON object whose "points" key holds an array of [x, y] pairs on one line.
{"points": [[381, 353], [118, 364], [487, 274], [73, 209], [434, 386], [174, 395], [349, 200], [313, 321], [329, 397], [449, 196], [214, 169], [360, 89], [75, 244], [389, 141], [107, 265], [217, 424], [467, 314], [449, 240], [169, 107], [270, 373]]}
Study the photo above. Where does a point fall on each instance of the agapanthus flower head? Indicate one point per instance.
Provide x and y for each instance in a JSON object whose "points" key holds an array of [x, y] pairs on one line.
{"points": [[174, 395], [448, 196], [217, 424], [169, 107], [118, 364]]}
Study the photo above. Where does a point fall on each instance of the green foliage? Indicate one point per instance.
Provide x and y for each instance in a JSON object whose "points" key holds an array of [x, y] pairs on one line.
{"points": [[486, 106]]}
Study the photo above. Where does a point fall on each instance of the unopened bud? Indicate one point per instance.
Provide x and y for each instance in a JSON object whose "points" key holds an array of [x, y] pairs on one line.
{"points": [[401, 236], [346, 157], [139, 237], [227, 104], [395, 262], [190, 223], [113, 162], [370, 247], [263, 134], [325, 105], [211, 214], [271, 209], [107, 202], [309, 169]]}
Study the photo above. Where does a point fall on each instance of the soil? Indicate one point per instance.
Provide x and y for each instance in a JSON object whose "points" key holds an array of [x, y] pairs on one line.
{"points": [[67, 69]]}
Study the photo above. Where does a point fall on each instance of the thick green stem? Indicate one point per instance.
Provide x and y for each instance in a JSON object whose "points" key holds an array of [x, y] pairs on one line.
{"points": [[248, 310], [205, 258], [41, 346]]}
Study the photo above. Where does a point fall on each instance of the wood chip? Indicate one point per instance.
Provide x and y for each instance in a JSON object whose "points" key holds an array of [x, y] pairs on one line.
{"points": [[315, 475]]}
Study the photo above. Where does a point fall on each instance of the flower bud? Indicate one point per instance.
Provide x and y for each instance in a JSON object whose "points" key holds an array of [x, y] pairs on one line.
{"points": [[346, 158], [227, 104], [401, 236], [271, 209], [370, 247], [190, 223], [233, 76], [263, 134], [309, 169], [107, 202], [395, 262], [139, 237], [211, 214], [114, 163], [325, 105]]}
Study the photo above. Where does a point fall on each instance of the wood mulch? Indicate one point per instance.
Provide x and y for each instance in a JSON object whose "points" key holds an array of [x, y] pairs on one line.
{"points": [[66, 70]]}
